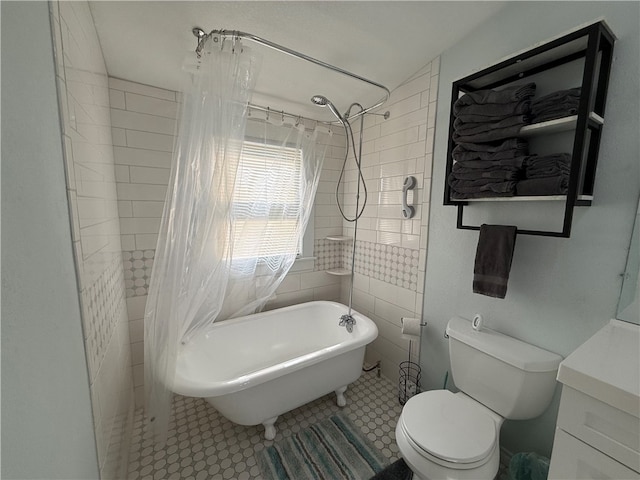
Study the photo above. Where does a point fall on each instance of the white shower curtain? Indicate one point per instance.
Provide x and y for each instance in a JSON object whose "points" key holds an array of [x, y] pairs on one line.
{"points": [[234, 214]]}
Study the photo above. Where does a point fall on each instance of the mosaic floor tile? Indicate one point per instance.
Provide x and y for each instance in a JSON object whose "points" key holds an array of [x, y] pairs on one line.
{"points": [[204, 445]]}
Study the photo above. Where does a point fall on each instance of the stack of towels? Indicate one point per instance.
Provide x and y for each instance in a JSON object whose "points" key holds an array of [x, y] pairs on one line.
{"points": [[488, 157], [545, 175], [562, 103]]}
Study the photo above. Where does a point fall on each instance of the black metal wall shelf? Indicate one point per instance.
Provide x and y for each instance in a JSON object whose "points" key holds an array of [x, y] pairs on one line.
{"points": [[593, 45]]}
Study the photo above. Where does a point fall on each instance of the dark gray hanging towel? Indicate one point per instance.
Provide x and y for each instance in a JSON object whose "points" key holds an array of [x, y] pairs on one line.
{"points": [[493, 259]]}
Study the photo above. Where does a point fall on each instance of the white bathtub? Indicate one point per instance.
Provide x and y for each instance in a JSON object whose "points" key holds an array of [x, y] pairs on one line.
{"points": [[254, 368]]}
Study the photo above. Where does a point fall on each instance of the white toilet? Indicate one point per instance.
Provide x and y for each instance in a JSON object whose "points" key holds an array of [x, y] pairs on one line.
{"points": [[444, 435]]}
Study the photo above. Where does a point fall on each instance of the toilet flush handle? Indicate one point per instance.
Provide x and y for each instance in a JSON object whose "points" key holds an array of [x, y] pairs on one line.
{"points": [[477, 323]]}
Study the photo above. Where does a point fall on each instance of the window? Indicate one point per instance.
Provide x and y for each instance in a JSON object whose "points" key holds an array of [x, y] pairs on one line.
{"points": [[267, 200]]}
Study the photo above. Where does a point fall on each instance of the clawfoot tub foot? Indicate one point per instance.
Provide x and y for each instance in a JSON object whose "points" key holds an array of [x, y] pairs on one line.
{"points": [[269, 429], [340, 400]]}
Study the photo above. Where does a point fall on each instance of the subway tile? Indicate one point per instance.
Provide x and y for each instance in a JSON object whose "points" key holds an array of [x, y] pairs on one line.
{"points": [[422, 134], [141, 89], [433, 88], [122, 173], [363, 299], [142, 122], [139, 225], [136, 328], [435, 66], [403, 107], [137, 353], [403, 122], [138, 375], [404, 168], [146, 241], [136, 191], [149, 141], [116, 99], [411, 241], [128, 242], [396, 295], [403, 137], [361, 282], [327, 292], [91, 211], [428, 165], [150, 209], [327, 231], [291, 298], [150, 105], [393, 313], [290, 283], [124, 155], [412, 87], [388, 225], [118, 137], [390, 331], [316, 279], [125, 209], [151, 175]]}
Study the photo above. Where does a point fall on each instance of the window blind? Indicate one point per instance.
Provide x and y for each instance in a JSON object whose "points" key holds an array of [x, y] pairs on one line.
{"points": [[267, 200]]}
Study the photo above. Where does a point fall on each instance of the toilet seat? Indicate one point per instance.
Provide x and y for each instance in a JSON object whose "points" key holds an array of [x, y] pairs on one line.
{"points": [[449, 430]]}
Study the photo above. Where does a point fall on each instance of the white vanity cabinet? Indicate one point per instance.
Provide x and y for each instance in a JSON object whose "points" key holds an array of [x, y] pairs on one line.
{"points": [[598, 427]]}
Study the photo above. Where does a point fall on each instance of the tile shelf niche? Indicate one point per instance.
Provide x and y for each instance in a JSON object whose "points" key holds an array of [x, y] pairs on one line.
{"points": [[339, 271], [589, 46]]}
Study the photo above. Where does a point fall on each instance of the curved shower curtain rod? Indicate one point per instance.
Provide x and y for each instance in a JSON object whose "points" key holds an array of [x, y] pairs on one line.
{"points": [[203, 37]]}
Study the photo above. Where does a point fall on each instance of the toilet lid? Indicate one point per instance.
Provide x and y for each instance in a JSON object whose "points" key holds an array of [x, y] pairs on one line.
{"points": [[448, 427]]}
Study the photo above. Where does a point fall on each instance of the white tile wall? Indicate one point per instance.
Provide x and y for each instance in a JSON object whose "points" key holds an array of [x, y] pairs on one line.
{"points": [[391, 251], [84, 100], [143, 120]]}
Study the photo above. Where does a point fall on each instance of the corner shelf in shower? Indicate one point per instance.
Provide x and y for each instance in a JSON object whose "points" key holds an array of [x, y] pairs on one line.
{"points": [[593, 46], [342, 272]]}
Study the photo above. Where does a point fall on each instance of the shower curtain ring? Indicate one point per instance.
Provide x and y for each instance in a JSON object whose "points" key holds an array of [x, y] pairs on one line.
{"points": [[267, 113], [282, 111]]}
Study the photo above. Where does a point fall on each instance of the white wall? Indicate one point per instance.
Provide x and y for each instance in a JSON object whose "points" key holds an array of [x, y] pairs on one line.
{"points": [[561, 291], [84, 107], [47, 423], [391, 251]]}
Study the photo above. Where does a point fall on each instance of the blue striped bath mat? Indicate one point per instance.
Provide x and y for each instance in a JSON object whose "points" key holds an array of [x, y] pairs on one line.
{"points": [[332, 449]]}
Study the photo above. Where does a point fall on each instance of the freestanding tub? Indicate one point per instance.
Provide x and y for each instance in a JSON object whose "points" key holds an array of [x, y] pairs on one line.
{"points": [[254, 368]]}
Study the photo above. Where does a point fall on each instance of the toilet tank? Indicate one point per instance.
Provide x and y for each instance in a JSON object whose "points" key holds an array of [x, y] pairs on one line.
{"points": [[511, 377]]}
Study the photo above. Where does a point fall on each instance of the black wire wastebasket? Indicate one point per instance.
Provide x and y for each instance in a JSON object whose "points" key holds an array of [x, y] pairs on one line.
{"points": [[409, 381]]}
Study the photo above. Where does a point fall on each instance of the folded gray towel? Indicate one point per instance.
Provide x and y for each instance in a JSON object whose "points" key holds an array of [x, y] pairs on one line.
{"points": [[562, 103], [558, 185], [508, 144], [486, 194], [490, 136], [547, 166], [516, 162], [492, 111], [556, 107], [482, 185], [462, 156], [557, 96], [494, 256], [553, 114], [508, 94], [499, 173], [474, 128], [500, 110]]}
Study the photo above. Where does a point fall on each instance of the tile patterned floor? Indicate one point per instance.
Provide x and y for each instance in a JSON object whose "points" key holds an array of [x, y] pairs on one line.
{"points": [[204, 445]]}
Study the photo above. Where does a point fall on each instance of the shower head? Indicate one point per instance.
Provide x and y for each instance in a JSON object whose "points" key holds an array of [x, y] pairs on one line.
{"points": [[325, 102]]}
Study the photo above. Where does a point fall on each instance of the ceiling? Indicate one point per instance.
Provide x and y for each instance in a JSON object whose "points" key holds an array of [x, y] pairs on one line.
{"points": [[384, 41]]}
